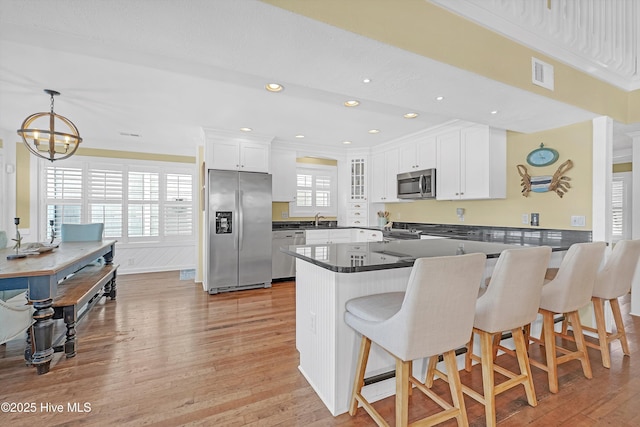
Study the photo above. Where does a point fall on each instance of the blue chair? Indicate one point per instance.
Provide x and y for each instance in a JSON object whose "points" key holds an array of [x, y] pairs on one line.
{"points": [[81, 232]]}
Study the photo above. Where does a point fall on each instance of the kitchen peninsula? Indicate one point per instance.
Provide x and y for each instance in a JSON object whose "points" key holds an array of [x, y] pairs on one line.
{"points": [[329, 275]]}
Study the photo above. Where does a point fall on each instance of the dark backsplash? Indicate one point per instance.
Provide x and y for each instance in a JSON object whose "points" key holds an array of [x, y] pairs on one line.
{"points": [[534, 236], [283, 225]]}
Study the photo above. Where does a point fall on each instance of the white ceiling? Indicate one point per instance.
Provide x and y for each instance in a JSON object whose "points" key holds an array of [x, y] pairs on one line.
{"points": [[165, 69]]}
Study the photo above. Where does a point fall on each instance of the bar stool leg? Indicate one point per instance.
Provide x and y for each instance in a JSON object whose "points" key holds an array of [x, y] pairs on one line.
{"points": [[402, 396], [456, 387], [550, 349], [617, 316], [574, 318], [525, 367], [431, 371], [467, 358], [358, 383], [488, 385], [603, 338]]}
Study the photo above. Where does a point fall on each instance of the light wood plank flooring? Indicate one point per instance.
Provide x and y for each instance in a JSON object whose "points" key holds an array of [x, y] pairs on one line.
{"points": [[167, 353]]}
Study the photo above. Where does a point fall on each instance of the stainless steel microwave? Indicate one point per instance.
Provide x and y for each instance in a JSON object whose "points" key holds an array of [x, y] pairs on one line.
{"points": [[417, 185]]}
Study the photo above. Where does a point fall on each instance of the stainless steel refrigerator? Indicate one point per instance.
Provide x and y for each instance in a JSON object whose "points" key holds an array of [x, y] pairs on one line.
{"points": [[239, 231]]}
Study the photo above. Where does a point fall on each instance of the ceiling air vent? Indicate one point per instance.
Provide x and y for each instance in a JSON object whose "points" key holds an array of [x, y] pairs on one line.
{"points": [[541, 73]]}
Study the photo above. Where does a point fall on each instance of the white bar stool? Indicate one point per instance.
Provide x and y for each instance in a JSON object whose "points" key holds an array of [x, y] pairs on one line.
{"points": [[569, 291], [434, 316], [612, 282], [510, 302]]}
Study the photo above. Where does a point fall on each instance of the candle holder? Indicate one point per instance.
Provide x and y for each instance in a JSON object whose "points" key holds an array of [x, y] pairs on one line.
{"points": [[53, 231], [18, 241]]}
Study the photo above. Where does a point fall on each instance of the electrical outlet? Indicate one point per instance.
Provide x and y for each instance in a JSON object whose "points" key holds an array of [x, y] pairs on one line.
{"points": [[284, 214], [131, 261], [578, 221], [525, 218], [312, 321]]}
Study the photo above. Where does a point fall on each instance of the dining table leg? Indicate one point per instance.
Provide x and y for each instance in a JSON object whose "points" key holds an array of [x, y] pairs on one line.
{"points": [[42, 336]]}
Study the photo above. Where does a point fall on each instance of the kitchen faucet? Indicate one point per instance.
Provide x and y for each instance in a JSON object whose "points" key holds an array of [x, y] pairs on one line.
{"points": [[318, 216]]}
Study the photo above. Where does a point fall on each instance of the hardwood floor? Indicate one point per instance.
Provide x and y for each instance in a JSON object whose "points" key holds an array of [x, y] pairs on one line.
{"points": [[167, 353]]}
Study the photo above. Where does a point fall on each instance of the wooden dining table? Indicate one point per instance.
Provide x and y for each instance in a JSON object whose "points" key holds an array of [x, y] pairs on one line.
{"points": [[41, 274]]}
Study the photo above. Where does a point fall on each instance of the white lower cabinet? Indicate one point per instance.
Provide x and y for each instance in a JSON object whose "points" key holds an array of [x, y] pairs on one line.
{"points": [[343, 235], [363, 235], [357, 213], [319, 237]]}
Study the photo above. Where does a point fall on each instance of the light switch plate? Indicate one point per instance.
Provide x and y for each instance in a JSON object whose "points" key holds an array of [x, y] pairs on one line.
{"points": [[578, 221], [525, 218]]}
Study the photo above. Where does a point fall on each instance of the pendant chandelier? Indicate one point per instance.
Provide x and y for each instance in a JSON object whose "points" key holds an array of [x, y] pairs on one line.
{"points": [[50, 135]]}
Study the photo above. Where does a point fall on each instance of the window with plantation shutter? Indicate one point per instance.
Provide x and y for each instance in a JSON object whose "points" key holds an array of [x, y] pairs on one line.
{"points": [[178, 207], [620, 206], [64, 190], [144, 198], [105, 199], [137, 201], [316, 191]]}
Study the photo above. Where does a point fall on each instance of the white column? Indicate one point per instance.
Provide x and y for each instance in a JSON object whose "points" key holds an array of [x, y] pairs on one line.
{"points": [[602, 174], [635, 217]]}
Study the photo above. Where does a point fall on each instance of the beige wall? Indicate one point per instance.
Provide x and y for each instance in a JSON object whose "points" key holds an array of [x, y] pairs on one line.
{"points": [[23, 184], [572, 142]]}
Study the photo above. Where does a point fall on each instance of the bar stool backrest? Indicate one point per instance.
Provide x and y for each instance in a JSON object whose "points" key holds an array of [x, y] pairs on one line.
{"points": [[512, 298], [572, 287], [614, 280], [437, 310]]}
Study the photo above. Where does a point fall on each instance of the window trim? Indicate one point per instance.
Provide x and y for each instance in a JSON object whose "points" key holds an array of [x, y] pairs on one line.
{"points": [[304, 211]]}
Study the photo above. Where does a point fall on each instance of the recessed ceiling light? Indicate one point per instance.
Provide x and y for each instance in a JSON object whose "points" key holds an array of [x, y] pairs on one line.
{"points": [[300, 136], [346, 142], [439, 98], [246, 129], [494, 112], [274, 87], [410, 115], [374, 130], [351, 103], [366, 80]]}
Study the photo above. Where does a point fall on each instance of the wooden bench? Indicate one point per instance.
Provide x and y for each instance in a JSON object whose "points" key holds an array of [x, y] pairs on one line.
{"points": [[85, 287]]}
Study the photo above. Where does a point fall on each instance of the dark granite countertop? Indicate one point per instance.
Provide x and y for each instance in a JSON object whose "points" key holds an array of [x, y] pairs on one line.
{"points": [[478, 233], [369, 256]]}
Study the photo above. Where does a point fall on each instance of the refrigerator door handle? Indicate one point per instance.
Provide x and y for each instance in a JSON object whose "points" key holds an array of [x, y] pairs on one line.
{"points": [[240, 226]]}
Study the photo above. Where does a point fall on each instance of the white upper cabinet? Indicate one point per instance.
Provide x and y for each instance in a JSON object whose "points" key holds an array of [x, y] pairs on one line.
{"points": [[471, 164], [230, 151], [283, 170], [358, 177], [384, 172], [417, 155]]}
